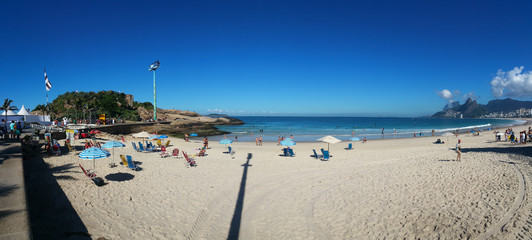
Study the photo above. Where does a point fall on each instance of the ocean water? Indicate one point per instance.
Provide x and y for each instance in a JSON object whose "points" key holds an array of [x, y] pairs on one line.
{"points": [[308, 129]]}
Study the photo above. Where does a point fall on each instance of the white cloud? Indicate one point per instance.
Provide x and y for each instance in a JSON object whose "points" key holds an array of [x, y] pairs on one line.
{"points": [[445, 94], [514, 83], [471, 95]]}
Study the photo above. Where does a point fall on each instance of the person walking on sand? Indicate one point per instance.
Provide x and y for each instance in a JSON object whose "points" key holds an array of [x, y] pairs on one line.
{"points": [[205, 142], [458, 151]]}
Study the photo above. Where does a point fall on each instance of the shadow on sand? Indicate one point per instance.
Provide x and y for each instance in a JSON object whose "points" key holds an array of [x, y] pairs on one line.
{"points": [[51, 213], [237, 216]]}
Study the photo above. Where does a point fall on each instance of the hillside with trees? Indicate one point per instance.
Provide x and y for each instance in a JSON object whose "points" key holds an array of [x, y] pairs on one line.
{"points": [[88, 105]]}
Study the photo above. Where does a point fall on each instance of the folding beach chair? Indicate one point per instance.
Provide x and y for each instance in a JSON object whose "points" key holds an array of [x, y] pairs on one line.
{"points": [[285, 152], [131, 164], [124, 161], [163, 152], [87, 173], [167, 143], [291, 152], [175, 153], [135, 147], [158, 142], [141, 147], [123, 140], [316, 154], [190, 161], [326, 155]]}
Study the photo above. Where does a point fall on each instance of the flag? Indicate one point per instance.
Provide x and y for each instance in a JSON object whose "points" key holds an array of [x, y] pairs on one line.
{"points": [[47, 82]]}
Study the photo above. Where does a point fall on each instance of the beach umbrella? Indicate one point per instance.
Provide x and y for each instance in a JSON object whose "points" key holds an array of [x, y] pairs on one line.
{"points": [[354, 139], [94, 153], [113, 145], [142, 135], [500, 134], [225, 141], [162, 136], [194, 135], [329, 139], [288, 142], [447, 134]]}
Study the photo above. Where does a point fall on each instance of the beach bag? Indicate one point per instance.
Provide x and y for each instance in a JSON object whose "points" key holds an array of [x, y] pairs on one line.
{"points": [[98, 181]]}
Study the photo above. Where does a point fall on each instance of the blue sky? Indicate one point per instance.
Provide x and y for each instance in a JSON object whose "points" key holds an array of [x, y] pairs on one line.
{"points": [[343, 58]]}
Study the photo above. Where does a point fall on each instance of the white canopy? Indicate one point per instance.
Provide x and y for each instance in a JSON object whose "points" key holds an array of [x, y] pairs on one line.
{"points": [[142, 135], [9, 113], [330, 139], [23, 111]]}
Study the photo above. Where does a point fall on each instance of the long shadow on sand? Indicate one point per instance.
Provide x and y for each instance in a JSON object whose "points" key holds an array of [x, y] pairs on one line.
{"points": [[237, 216], [51, 213], [523, 152]]}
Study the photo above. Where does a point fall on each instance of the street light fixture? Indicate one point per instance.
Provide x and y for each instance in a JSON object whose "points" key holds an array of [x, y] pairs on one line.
{"points": [[153, 67]]}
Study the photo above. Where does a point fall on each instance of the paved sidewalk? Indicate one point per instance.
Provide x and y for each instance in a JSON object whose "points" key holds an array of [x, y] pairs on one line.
{"points": [[14, 220]]}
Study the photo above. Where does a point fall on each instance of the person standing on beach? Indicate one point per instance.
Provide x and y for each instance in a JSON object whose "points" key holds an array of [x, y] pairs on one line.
{"points": [[256, 141], [205, 142], [458, 151], [260, 141]]}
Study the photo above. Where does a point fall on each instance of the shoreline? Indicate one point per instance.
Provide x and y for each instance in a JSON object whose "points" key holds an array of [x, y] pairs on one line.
{"points": [[373, 137]]}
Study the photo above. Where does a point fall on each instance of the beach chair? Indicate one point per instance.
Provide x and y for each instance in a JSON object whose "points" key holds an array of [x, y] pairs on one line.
{"points": [[316, 154], [70, 148], [158, 142], [87, 173], [285, 152], [326, 156], [141, 147], [175, 153], [123, 140], [291, 152], [163, 152], [190, 161], [135, 147], [167, 143], [350, 146], [131, 165], [56, 149], [124, 161]]}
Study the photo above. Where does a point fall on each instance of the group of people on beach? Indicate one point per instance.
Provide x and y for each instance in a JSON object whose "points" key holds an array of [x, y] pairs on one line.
{"points": [[258, 141], [10, 130], [509, 135]]}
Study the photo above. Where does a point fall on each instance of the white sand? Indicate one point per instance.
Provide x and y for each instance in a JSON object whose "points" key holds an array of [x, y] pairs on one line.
{"points": [[405, 188]]}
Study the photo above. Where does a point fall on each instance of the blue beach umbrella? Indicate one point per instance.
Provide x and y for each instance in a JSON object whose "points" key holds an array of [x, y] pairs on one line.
{"points": [[194, 134], [354, 139], [288, 142], [225, 141], [94, 153], [113, 145]]}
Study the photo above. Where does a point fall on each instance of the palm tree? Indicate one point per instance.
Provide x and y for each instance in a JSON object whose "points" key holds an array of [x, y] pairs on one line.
{"points": [[7, 106]]}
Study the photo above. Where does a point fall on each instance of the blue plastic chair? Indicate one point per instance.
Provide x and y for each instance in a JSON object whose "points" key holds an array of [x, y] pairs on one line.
{"points": [[326, 155], [135, 147], [131, 164], [141, 147], [285, 152], [350, 146]]}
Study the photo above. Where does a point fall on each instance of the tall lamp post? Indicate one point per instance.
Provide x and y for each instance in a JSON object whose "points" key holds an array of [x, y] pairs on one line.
{"points": [[153, 67]]}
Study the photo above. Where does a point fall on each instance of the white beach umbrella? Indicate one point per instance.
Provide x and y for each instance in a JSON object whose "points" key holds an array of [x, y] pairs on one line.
{"points": [[142, 135], [447, 134], [329, 139]]}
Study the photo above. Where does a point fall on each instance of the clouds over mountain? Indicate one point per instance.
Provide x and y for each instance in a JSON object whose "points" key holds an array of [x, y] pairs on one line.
{"points": [[514, 83]]}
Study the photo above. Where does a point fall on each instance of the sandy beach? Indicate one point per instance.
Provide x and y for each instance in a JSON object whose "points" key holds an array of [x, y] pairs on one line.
{"points": [[394, 189]]}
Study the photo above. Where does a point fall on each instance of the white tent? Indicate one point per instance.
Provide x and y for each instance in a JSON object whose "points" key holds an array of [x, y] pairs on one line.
{"points": [[9, 113], [23, 111]]}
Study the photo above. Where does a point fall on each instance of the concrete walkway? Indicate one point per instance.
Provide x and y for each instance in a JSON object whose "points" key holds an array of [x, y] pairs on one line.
{"points": [[14, 220]]}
